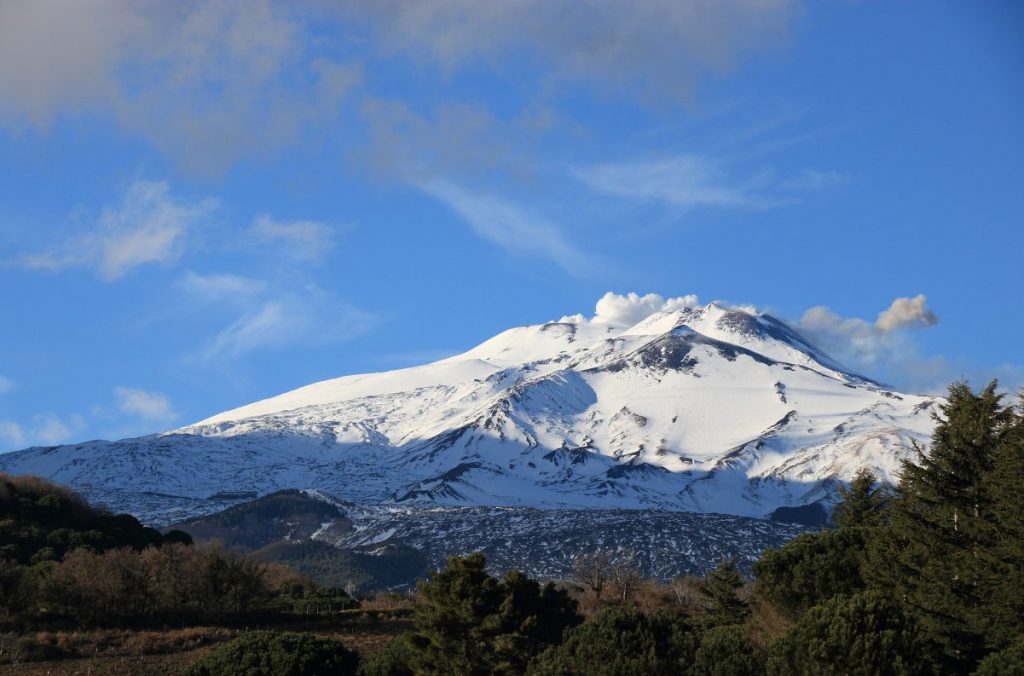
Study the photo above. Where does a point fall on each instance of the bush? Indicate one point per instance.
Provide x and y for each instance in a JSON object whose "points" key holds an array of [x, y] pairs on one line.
{"points": [[1008, 662], [726, 651], [269, 653], [859, 635], [394, 659], [811, 569], [620, 642]]}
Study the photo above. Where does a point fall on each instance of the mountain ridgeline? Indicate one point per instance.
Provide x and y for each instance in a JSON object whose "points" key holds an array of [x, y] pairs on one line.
{"points": [[705, 409]]}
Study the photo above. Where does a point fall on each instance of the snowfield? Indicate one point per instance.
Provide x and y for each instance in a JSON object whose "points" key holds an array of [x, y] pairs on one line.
{"points": [[706, 409]]}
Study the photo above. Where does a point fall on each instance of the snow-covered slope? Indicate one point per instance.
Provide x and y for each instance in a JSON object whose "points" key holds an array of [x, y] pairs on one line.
{"points": [[711, 408]]}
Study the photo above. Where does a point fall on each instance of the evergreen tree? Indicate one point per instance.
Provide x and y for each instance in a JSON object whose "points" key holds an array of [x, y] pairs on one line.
{"points": [[530, 618], [935, 555], [1006, 662], [1003, 619], [453, 605], [468, 622], [863, 503], [722, 588]]}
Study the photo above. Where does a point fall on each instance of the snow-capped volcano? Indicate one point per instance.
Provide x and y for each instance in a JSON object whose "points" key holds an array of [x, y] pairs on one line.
{"points": [[702, 408]]}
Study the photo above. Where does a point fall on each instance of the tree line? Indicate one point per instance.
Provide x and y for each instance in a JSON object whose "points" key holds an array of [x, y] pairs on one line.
{"points": [[62, 560]]}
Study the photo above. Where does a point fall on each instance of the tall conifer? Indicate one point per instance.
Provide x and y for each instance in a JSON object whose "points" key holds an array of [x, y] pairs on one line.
{"points": [[942, 525]]}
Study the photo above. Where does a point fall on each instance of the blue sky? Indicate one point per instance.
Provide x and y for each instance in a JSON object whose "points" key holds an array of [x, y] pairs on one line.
{"points": [[202, 205]]}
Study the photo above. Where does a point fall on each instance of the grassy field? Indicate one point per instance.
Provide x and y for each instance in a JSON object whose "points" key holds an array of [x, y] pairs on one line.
{"points": [[120, 651]]}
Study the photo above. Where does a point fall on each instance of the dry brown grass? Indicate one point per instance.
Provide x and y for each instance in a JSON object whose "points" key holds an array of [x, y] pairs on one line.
{"points": [[119, 665], [388, 601], [123, 651], [767, 623]]}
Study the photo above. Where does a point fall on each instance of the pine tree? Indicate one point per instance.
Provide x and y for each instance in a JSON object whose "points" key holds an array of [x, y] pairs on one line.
{"points": [[1003, 618], [722, 588], [1006, 662], [468, 622], [453, 606], [934, 554], [863, 503]]}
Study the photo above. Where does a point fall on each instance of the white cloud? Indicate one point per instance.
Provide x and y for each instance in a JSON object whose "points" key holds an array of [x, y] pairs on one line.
{"points": [[510, 226], [659, 47], [46, 430], [151, 406], [685, 181], [310, 319], [211, 83], [859, 342], [272, 317], [303, 240], [146, 227], [617, 309], [692, 181], [6, 385], [205, 82], [852, 340], [220, 287], [12, 437], [887, 348], [907, 313], [36, 78], [50, 429]]}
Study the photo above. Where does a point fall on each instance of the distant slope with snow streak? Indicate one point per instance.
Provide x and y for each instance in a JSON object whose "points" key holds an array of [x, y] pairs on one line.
{"points": [[709, 409]]}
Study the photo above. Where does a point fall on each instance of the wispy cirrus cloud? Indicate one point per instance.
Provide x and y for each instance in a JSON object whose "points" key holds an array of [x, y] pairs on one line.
{"points": [[691, 181], [514, 228], [220, 287], [684, 181], [146, 226], [211, 83], [272, 316], [302, 240]]}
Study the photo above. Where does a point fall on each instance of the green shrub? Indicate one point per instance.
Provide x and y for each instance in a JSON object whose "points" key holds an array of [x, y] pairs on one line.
{"points": [[394, 659], [859, 635], [726, 651], [619, 642], [811, 569], [269, 653], [1007, 662]]}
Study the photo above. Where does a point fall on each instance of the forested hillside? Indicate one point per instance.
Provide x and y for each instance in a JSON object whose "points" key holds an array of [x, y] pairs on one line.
{"points": [[64, 562]]}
